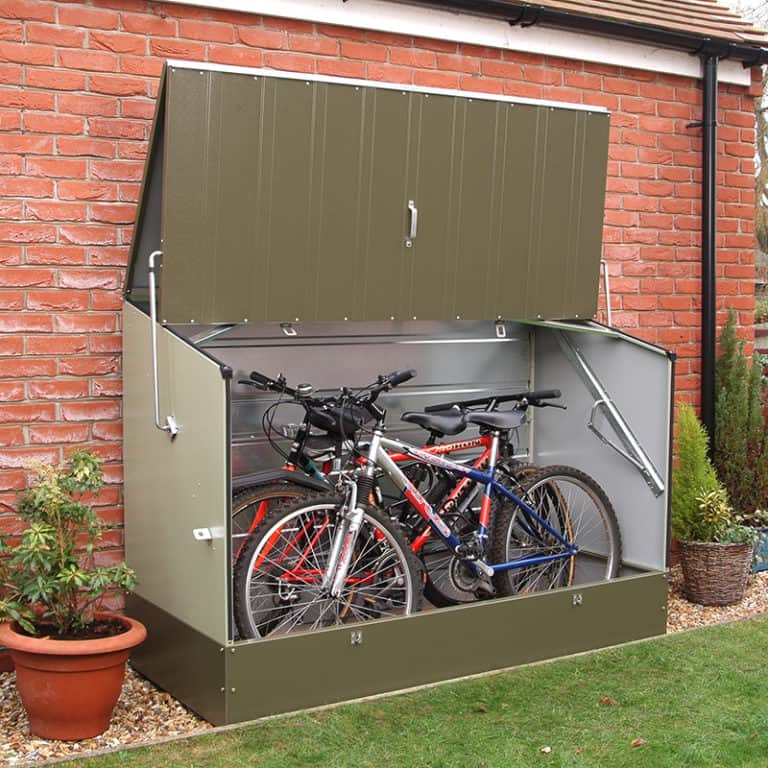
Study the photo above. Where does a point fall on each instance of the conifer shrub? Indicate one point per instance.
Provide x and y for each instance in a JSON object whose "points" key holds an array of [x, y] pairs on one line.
{"points": [[693, 476], [740, 453]]}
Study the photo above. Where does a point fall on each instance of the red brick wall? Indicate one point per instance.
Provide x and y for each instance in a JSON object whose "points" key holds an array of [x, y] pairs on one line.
{"points": [[77, 81]]}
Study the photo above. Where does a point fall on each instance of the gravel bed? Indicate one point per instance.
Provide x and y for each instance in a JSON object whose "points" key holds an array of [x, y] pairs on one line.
{"points": [[683, 615], [145, 714]]}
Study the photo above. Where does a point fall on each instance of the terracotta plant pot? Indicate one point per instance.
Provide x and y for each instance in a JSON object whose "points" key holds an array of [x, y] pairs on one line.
{"points": [[69, 688], [715, 574]]}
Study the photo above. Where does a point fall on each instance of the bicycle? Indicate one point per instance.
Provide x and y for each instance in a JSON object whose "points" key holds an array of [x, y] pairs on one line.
{"points": [[383, 577], [326, 560]]}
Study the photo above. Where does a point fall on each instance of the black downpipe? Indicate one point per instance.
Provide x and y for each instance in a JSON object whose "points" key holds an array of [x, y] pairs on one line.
{"points": [[708, 248]]}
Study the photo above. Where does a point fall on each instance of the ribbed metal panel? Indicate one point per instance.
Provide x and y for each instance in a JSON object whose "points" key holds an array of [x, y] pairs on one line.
{"points": [[286, 198]]}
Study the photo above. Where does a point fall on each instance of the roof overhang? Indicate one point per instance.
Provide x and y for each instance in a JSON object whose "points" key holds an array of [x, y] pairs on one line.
{"points": [[530, 14], [490, 25]]}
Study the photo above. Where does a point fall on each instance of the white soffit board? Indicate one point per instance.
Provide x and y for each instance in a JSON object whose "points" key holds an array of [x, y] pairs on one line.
{"points": [[417, 21]]}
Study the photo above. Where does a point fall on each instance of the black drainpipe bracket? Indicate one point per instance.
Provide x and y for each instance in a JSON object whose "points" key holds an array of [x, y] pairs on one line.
{"points": [[528, 16], [703, 124]]}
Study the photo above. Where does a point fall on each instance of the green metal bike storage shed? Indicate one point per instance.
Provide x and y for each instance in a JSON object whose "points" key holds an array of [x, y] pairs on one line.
{"points": [[332, 230]]}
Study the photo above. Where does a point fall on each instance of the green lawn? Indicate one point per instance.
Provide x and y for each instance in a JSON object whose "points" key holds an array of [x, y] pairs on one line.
{"points": [[697, 699]]}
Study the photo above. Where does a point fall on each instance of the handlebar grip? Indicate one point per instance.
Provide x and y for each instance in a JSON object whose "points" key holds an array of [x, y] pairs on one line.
{"points": [[400, 377], [261, 380], [543, 394]]}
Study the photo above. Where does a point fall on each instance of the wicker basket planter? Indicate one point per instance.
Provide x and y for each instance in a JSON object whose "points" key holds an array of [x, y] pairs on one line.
{"points": [[715, 574]]}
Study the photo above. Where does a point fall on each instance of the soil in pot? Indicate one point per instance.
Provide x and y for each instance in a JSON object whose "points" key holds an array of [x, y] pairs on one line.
{"points": [[107, 627]]}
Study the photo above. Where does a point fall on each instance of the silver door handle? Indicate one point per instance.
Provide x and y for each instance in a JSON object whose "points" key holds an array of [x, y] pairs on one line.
{"points": [[414, 211]]}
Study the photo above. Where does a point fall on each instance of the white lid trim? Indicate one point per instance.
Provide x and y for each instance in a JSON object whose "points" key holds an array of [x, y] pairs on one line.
{"points": [[205, 66]]}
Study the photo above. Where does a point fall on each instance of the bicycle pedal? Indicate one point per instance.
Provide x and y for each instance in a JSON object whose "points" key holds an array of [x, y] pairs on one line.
{"points": [[485, 589]]}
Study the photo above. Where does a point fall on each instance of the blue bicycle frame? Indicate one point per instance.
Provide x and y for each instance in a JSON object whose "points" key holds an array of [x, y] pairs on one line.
{"points": [[378, 455]]}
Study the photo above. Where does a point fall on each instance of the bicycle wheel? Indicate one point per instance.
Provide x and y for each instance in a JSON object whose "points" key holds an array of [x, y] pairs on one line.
{"points": [[450, 579], [278, 575], [575, 506], [251, 504]]}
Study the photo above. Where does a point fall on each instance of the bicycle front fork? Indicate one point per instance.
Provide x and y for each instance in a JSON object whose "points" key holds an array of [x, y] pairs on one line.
{"points": [[343, 545]]}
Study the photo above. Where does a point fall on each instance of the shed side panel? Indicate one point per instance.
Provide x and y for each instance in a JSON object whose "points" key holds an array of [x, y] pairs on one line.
{"points": [[173, 487]]}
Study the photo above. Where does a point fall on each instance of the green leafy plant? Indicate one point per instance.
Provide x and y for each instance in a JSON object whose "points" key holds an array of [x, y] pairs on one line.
{"points": [[48, 575], [717, 521], [741, 442]]}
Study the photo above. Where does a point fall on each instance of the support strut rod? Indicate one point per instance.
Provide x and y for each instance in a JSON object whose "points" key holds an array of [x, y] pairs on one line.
{"points": [[170, 426]]}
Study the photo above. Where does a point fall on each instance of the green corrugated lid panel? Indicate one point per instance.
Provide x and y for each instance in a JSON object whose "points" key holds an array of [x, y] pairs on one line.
{"points": [[276, 197]]}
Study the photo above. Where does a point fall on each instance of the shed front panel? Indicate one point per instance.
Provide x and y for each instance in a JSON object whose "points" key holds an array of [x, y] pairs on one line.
{"points": [[287, 198]]}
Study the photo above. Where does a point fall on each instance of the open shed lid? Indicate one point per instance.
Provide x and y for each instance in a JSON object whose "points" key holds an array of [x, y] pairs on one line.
{"points": [[278, 197]]}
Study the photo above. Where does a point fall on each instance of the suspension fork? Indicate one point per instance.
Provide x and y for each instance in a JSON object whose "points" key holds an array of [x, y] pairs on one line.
{"points": [[347, 532]]}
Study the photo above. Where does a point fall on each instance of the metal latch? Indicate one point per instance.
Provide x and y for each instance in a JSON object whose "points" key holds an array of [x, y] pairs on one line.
{"points": [[208, 534], [414, 227]]}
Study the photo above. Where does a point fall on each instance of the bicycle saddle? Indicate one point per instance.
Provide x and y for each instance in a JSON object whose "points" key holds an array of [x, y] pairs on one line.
{"points": [[438, 423], [501, 420]]}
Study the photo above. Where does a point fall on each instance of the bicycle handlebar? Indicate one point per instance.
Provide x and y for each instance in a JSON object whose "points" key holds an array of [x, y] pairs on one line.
{"points": [[532, 397], [385, 382]]}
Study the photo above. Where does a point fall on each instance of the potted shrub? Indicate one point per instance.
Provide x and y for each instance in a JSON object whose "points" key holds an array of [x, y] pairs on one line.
{"points": [[716, 548], [69, 657]]}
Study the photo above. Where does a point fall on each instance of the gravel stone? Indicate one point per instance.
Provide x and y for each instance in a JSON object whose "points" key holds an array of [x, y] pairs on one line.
{"points": [[146, 714]]}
